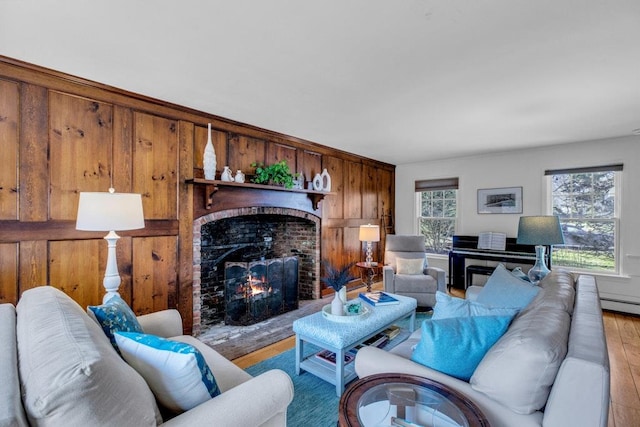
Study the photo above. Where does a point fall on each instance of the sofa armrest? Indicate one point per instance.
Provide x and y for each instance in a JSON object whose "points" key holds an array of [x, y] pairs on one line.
{"points": [[11, 410], [164, 323], [387, 279], [263, 400], [372, 360], [439, 275]]}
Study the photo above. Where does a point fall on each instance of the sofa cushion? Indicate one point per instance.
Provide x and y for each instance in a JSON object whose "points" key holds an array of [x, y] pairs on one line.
{"points": [[70, 373], [455, 346], [503, 289], [115, 315], [520, 368], [176, 372], [558, 290], [448, 306]]}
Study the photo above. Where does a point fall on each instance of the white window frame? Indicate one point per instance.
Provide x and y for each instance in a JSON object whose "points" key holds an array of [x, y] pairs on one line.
{"points": [[615, 219], [435, 185]]}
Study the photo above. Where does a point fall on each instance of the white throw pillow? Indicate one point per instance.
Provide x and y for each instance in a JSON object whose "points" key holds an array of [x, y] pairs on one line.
{"points": [[410, 266], [176, 372]]}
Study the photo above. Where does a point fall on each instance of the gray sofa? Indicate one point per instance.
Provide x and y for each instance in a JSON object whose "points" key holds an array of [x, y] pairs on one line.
{"points": [[551, 367], [422, 286], [58, 368]]}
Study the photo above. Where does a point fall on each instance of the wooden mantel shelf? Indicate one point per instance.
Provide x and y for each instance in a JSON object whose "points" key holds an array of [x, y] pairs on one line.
{"points": [[211, 186]]}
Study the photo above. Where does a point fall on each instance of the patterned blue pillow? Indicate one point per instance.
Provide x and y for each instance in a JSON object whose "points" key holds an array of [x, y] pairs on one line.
{"points": [[455, 346], [115, 315], [176, 372]]}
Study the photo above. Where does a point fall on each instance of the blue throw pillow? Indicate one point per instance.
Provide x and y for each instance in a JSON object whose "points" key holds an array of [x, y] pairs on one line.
{"points": [[503, 289], [455, 346], [448, 306], [115, 315], [176, 372]]}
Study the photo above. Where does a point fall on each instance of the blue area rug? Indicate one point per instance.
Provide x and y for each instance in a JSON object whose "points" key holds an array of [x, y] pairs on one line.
{"points": [[315, 403]]}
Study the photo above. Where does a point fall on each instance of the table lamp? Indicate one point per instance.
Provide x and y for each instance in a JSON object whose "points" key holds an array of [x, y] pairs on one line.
{"points": [[369, 233], [540, 231], [110, 212]]}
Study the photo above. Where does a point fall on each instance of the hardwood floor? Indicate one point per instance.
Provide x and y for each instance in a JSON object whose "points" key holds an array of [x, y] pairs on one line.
{"points": [[623, 341]]}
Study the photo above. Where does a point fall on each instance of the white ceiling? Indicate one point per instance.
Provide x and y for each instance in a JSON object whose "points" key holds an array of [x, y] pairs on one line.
{"points": [[394, 80]]}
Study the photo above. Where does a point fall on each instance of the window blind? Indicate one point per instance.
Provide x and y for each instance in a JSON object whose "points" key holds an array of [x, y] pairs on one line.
{"points": [[437, 184]]}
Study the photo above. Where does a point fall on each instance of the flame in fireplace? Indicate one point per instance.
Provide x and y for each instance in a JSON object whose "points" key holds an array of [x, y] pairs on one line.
{"points": [[257, 286]]}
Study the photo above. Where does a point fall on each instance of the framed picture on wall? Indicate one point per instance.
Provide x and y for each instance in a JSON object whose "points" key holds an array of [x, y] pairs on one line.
{"points": [[506, 200]]}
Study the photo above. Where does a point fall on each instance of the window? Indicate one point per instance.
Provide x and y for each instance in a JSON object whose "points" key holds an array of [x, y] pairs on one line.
{"points": [[437, 212], [586, 201]]}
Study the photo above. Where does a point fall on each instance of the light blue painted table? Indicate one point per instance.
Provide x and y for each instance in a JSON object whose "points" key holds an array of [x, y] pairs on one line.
{"points": [[341, 337]]}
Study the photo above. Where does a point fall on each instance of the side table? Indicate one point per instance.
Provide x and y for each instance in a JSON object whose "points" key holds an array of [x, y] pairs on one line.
{"points": [[380, 399], [369, 271]]}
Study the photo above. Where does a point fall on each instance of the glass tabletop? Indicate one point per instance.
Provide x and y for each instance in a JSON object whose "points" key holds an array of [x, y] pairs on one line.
{"points": [[402, 404], [399, 400]]}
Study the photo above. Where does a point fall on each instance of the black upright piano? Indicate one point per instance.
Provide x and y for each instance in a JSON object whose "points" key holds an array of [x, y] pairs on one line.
{"points": [[466, 247]]}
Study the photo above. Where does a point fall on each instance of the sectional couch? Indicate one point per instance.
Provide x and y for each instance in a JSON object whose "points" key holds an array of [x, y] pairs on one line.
{"points": [[58, 368], [550, 368]]}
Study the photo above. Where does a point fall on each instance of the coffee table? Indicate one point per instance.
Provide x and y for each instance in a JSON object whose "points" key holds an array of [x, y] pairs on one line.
{"points": [[340, 337], [380, 399]]}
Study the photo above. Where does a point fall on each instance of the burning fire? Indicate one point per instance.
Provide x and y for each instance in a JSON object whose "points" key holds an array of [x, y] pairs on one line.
{"points": [[257, 286]]}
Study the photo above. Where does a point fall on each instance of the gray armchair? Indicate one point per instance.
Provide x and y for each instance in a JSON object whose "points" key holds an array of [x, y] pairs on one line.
{"points": [[421, 286]]}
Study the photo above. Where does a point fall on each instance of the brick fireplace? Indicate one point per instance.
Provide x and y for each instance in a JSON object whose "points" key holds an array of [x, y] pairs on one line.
{"points": [[253, 237]]}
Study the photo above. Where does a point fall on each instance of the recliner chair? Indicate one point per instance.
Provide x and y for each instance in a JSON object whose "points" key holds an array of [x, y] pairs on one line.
{"points": [[412, 281]]}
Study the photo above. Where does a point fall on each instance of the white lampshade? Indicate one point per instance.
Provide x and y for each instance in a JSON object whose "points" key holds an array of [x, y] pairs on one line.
{"points": [[109, 212], [369, 233]]}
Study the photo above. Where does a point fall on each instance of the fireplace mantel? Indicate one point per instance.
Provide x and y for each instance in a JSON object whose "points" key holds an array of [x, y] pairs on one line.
{"points": [[237, 194]]}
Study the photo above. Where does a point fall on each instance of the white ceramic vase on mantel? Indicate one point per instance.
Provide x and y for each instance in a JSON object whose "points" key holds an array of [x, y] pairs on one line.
{"points": [[325, 179], [337, 305], [209, 158], [226, 174]]}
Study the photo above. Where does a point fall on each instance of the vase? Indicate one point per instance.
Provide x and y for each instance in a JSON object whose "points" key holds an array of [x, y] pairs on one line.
{"points": [[317, 182], [226, 174], [539, 270], [300, 181], [239, 176], [343, 294], [326, 181], [209, 158], [337, 305]]}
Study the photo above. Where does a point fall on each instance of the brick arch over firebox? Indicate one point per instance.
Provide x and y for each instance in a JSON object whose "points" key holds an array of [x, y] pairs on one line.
{"points": [[312, 272]]}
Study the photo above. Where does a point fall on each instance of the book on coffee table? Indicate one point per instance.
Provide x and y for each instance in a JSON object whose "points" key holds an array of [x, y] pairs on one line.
{"points": [[392, 331], [329, 356], [378, 298]]}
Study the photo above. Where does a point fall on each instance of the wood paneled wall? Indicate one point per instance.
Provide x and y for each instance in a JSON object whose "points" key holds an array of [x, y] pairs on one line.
{"points": [[60, 135]]}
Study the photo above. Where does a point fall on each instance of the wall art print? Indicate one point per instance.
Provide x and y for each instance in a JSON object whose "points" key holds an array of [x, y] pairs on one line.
{"points": [[507, 200]]}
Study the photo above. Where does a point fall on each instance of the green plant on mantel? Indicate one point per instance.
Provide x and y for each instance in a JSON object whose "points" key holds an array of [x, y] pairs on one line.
{"points": [[275, 174]]}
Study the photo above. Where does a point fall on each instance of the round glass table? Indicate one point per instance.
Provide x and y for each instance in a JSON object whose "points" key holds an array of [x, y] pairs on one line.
{"points": [[400, 400]]}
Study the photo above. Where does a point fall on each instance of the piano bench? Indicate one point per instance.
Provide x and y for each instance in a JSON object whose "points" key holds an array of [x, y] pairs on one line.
{"points": [[477, 269]]}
